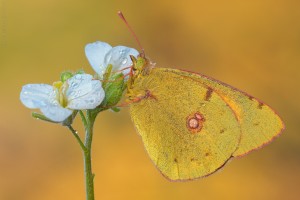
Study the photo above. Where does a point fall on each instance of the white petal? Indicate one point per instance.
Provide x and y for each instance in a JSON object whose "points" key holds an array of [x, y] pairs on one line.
{"points": [[35, 95], [119, 57], [43, 96], [95, 53], [55, 112], [78, 86], [86, 95]]}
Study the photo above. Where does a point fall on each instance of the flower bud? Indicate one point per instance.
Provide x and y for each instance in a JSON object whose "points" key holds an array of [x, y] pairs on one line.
{"points": [[114, 90], [65, 76], [80, 72]]}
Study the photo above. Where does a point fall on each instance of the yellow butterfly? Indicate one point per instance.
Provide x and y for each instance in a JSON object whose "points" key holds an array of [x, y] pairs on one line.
{"points": [[191, 125]]}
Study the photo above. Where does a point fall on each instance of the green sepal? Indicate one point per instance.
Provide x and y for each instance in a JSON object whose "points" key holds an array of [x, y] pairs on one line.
{"points": [[106, 75], [115, 109], [66, 122], [81, 71], [114, 89], [42, 117], [70, 119], [65, 76]]}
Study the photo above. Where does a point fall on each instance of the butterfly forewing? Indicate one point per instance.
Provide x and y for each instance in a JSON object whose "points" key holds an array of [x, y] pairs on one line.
{"points": [[188, 129]]}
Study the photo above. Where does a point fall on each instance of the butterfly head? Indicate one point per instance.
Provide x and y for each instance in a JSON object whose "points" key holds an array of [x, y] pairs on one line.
{"points": [[141, 65]]}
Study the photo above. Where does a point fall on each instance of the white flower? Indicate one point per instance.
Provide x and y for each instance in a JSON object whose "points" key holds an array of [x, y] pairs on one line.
{"points": [[101, 54], [58, 102]]}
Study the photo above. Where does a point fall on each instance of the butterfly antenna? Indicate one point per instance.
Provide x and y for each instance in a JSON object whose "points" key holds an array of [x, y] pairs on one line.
{"points": [[132, 32]]}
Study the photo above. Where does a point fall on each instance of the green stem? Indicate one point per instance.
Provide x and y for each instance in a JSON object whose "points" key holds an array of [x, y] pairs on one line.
{"points": [[83, 119], [89, 176], [77, 137]]}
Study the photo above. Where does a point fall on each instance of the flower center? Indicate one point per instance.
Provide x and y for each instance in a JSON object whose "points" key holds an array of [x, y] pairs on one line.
{"points": [[60, 89]]}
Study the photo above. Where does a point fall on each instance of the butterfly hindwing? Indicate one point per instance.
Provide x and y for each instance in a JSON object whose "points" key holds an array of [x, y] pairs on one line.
{"points": [[188, 130], [259, 123]]}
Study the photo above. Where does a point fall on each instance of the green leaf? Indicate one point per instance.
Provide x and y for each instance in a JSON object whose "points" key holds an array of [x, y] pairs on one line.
{"points": [[42, 117]]}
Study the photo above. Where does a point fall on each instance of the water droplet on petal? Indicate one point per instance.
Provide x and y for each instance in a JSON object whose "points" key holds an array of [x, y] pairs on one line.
{"points": [[78, 77], [90, 101], [108, 57], [72, 93], [42, 103], [74, 84], [124, 61], [122, 52]]}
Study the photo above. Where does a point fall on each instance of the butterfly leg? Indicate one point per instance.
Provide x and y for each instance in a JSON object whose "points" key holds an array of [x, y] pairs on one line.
{"points": [[149, 95], [118, 71], [137, 99]]}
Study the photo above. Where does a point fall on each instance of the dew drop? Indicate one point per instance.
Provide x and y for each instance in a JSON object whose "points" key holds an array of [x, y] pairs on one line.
{"points": [[121, 52], [108, 57], [90, 101], [52, 112], [77, 94], [43, 103], [74, 84], [73, 93], [77, 105], [78, 77], [124, 61]]}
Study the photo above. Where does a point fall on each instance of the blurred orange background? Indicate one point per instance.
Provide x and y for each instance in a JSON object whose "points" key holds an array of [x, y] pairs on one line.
{"points": [[252, 45]]}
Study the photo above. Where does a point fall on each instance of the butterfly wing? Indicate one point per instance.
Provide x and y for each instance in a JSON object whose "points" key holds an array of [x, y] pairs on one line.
{"points": [[188, 130], [259, 123]]}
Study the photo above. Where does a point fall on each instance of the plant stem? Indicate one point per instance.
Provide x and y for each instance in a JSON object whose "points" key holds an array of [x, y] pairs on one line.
{"points": [[89, 176], [77, 137], [83, 119]]}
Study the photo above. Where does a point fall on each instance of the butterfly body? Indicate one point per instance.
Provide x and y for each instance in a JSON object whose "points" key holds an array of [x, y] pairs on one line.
{"points": [[191, 125]]}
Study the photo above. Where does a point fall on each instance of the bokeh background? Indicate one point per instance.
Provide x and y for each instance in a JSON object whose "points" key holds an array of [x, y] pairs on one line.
{"points": [[253, 45]]}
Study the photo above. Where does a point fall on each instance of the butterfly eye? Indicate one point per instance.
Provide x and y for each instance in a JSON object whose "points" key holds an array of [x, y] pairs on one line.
{"points": [[142, 55]]}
